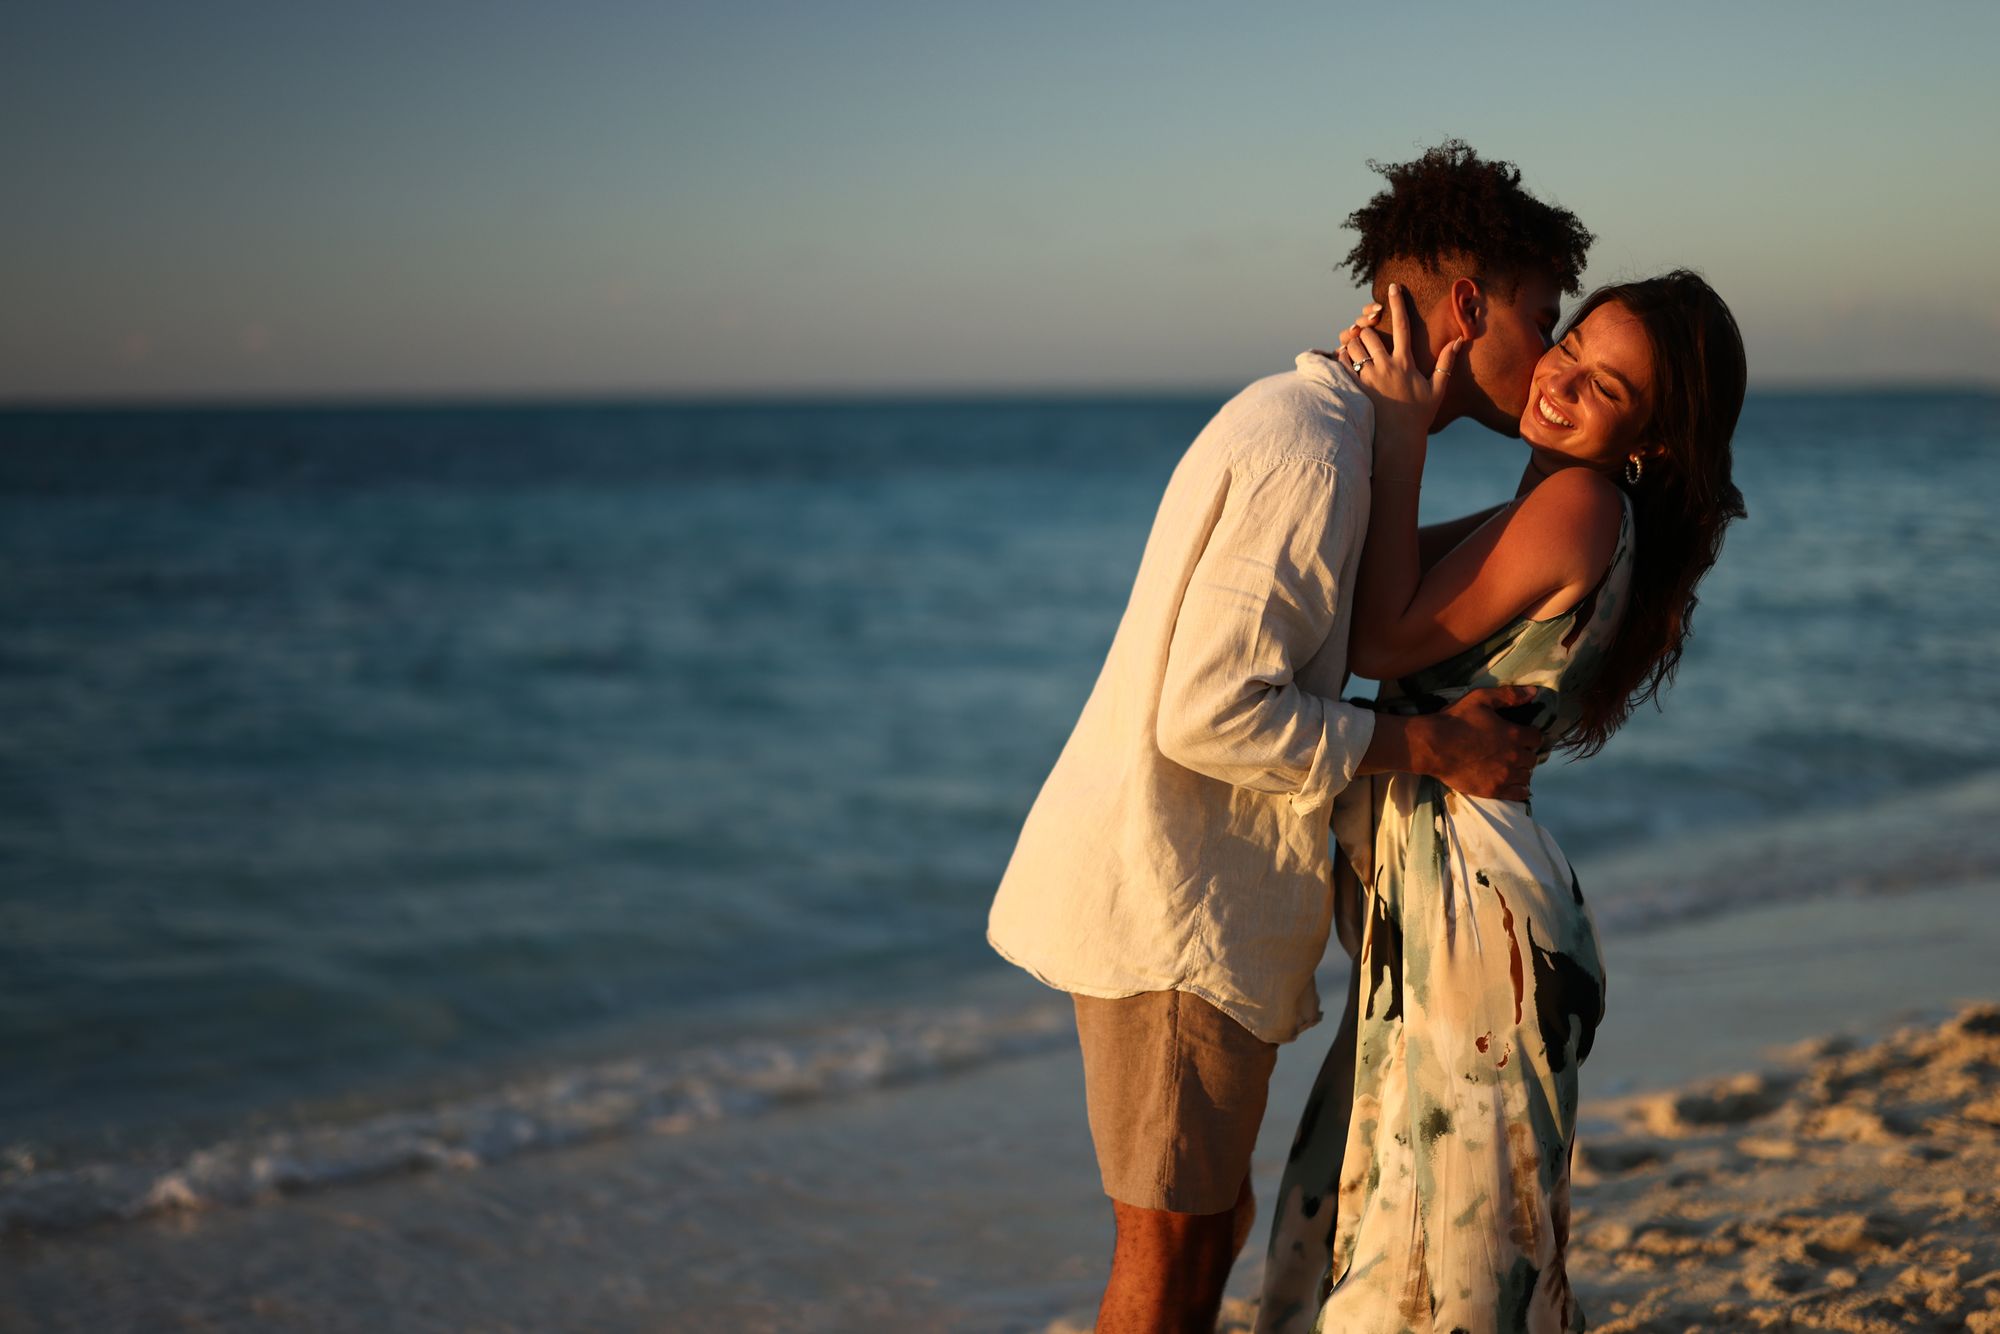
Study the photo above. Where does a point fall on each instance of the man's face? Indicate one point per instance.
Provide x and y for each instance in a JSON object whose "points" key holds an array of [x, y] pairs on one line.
{"points": [[1502, 359]]}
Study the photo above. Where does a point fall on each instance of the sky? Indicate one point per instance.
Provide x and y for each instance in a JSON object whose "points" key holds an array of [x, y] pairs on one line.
{"points": [[257, 202]]}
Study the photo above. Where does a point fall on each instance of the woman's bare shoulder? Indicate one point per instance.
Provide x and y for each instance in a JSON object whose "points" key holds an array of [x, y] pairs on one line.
{"points": [[1578, 509]]}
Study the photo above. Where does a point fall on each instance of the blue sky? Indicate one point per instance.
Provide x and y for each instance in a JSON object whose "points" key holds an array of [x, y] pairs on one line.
{"points": [[212, 200]]}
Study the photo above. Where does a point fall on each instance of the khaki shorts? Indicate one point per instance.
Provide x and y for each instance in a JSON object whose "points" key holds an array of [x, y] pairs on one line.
{"points": [[1175, 1090]]}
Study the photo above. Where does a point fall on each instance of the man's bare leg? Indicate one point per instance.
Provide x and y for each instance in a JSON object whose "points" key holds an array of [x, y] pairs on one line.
{"points": [[1168, 1270]]}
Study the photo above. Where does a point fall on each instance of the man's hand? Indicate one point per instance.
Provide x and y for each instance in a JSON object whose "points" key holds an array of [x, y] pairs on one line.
{"points": [[1473, 747]]}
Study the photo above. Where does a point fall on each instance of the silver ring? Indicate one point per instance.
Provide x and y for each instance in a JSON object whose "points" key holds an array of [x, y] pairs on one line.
{"points": [[1359, 364]]}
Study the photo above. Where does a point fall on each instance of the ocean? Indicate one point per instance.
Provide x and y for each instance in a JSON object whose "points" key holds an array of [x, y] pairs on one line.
{"points": [[398, 788]]}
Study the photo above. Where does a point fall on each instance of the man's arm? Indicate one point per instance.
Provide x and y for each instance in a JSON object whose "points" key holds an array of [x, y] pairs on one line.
{"points": [[1262, 599], [1470, 747]]}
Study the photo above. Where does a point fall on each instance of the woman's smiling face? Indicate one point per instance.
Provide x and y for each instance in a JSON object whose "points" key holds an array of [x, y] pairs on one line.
{"points": [[1592, 393]]}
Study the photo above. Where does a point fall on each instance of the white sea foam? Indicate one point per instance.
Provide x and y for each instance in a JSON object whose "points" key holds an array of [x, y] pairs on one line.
{"points": [[1940, 836], [668, 1095]]}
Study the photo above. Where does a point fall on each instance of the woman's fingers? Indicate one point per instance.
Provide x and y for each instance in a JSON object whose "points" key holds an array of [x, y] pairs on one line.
{"points": [[1348, 348], [1399, 300], [1372, 344], [1441, 376], [1351, 350], [1369, 315]]}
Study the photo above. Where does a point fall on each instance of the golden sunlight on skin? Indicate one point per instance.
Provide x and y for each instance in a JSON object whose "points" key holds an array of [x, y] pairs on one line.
{"points": [[1514, 336], [1592, 394]]}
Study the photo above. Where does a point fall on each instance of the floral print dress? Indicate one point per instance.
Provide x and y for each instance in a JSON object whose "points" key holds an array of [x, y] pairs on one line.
{"points": [[1441, 1203]]}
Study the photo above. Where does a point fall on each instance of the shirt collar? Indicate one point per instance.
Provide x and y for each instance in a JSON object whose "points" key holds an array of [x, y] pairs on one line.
{"points": [[1332, 372]]}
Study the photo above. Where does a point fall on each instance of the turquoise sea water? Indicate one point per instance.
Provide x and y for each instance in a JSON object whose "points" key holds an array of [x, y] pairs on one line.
{"points": [[368, 762]]}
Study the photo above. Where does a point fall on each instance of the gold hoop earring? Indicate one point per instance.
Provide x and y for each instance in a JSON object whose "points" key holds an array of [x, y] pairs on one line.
{"points": [[1635, 468]]}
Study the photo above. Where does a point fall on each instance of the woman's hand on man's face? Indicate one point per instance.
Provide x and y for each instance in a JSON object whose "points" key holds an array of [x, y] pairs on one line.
{"points": [[1406, 398], [1369, 318], [1369, 314]]}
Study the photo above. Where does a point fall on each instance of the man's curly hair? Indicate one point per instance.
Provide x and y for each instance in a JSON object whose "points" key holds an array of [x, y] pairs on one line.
{"points": [[1452, 202]]}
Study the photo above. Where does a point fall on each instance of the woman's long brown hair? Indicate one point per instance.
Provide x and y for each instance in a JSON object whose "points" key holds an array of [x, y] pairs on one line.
{"points": [[1684, 498]]}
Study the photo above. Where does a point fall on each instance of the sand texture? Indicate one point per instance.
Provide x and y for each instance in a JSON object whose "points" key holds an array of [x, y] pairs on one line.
{"points": [[1859, 1191], [1854, 1189], [970, 1202]]}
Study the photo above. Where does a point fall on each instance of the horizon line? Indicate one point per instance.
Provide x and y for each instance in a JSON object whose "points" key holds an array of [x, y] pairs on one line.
{"points": [[801, 396]]}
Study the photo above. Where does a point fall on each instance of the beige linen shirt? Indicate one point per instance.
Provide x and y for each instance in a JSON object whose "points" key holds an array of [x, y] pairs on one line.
{"points": [[1180, 843]]}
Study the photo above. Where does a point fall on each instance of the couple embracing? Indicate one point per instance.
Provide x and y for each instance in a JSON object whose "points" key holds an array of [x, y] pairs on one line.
{"points": [[1174, 875]]}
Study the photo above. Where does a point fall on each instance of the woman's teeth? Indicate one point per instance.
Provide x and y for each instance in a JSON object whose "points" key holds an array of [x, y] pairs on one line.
{"points": [[1549, 414]]}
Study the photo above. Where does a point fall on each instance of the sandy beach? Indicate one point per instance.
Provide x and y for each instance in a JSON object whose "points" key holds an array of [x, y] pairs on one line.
{"points": [[558, 568], [1841, 1183], [1855, 1189], [1834, 1184]]}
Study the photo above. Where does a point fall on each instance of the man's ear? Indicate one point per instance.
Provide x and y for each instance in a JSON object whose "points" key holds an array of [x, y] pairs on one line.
{"points": [[1468, 308]]}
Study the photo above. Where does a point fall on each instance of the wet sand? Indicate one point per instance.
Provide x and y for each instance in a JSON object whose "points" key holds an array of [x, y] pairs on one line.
{"points": [[970, 1202]]}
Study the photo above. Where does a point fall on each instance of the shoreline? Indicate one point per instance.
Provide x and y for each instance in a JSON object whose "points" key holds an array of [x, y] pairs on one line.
{"points": [[788, 1045], [967, 1201]]}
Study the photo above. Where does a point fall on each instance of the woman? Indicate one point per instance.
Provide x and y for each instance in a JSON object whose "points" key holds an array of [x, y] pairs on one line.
{"points": [[1442, 1202]]}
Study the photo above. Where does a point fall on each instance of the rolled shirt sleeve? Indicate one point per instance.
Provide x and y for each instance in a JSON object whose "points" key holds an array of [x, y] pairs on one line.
{"points": [[1263, 598]]}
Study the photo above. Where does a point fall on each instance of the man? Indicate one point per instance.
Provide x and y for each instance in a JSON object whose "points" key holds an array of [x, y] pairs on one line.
{"points": [[1173, 874]]}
